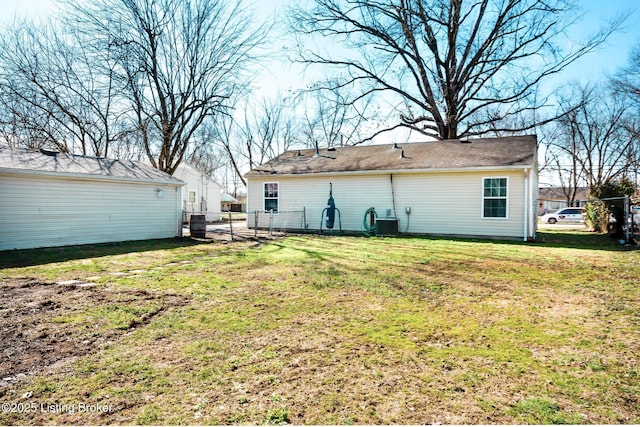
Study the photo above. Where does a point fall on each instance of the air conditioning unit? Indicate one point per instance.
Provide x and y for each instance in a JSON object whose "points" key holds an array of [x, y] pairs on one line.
{"points": [[386, 227]]}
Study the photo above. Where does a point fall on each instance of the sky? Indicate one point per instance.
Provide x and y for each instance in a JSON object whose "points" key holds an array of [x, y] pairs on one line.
{"points": [[607, 59], [276, 77]]}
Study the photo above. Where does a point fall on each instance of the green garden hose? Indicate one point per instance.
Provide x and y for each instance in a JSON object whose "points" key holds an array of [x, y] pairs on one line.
{"points": [[369, 229]]}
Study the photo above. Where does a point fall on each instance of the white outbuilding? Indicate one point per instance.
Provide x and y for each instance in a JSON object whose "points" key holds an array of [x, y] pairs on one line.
{"points": [[485, 187], [49, 198]]}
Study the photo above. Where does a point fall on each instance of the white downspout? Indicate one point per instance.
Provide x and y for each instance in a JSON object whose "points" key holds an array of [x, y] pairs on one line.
{"points": [[178, 202], [533, 202], [526, 200]]}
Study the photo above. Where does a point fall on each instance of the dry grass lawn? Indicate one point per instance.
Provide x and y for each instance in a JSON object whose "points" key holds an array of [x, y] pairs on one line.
{"points": [[322, 330]]}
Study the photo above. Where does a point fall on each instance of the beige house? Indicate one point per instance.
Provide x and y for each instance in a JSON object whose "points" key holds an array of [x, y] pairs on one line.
{"points": [[56, 199], [486, 187], [551, 199]]}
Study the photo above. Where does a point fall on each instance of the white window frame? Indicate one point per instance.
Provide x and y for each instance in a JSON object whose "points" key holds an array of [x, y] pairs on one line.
{"points": [[506, 198], [195, 197], [265, 198]]}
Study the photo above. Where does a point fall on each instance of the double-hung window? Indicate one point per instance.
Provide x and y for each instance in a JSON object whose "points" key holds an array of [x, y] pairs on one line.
{"points": [[495, 197], [271, 196]]}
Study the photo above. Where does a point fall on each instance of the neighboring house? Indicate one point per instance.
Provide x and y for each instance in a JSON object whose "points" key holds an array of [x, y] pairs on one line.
{"points": [[481, 187], [241, 205], [550, 199], [55, 199], [201, 194], [228, 202]]}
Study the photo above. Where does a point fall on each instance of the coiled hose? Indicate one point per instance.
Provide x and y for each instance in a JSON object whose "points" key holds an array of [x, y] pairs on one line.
{"points": [[367, 228]]}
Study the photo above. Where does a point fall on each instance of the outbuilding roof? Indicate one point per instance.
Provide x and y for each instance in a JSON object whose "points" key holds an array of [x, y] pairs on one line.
{"points": [[43, 162], [454, 154], [228, 198]]}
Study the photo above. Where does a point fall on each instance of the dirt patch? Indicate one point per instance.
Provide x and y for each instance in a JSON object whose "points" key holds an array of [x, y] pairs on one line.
{"points": [[32, 337]]}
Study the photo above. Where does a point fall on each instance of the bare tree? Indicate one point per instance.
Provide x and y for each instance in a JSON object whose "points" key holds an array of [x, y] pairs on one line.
{"points": [[598, 139], [627, 80], [261, 130], [265, 129], [56, 92], [328, 117], [563, 157], [455, 67], [146, 77], [179, 62]]}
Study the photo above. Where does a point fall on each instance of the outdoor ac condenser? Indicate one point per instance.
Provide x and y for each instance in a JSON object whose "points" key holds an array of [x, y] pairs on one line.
{"points": [[386, 227]]}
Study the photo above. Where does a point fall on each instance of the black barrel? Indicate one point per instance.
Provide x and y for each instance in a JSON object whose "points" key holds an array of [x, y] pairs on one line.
{"points": [[198, 226]]}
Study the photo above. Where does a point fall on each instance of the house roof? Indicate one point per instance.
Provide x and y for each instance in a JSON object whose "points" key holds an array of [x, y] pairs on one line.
{"points": [[184, 167], [558, 193], [42, 162], [514, 151]]}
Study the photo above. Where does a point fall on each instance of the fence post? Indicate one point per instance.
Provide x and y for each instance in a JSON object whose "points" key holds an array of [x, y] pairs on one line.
{"points": [[627, 208], [230, 226], [255, 225], [270, 222]]}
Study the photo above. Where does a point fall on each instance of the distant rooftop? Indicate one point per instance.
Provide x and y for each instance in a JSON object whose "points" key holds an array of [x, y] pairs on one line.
{"points": [[514, 151], [558, 193], [228, 198], [27, 160]]}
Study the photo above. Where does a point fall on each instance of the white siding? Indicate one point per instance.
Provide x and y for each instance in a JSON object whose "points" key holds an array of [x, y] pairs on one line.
{"points": [[446, 203], [42, 211], [208, 195]]}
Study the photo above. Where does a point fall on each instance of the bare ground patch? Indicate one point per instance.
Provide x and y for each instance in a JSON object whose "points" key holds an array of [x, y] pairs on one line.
{"points": [[34, 339]]}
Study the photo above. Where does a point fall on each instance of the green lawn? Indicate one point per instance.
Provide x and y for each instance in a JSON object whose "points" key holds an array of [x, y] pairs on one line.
{"points": [[334, 330]]}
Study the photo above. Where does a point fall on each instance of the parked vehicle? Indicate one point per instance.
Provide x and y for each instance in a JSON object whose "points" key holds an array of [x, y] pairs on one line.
{"points": [[573, 214]]}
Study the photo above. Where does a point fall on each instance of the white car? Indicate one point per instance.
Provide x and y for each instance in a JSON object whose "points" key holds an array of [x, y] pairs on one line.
{"points": [[565, 215]]}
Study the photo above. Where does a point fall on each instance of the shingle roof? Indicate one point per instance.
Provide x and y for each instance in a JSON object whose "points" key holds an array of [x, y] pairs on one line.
{"points": [[515, 151], [558, 193], [26, 160]]}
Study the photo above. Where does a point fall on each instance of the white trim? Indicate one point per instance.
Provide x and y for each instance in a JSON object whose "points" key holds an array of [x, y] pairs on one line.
{"points": [[247, 204], [264, 198], [506, 199], [179, 212]]}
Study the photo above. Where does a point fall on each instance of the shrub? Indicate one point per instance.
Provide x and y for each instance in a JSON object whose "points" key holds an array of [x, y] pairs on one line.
{"points": [[597, 215]]}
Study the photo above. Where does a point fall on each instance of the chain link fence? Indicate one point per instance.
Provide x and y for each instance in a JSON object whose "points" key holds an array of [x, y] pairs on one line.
{"points": [[252, 225], [277, 221]]}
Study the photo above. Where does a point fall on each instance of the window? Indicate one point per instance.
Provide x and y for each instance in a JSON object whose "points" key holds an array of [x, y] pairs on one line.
{"points": [[574, 211], [494, 198], [192, 197], [271, 196]]}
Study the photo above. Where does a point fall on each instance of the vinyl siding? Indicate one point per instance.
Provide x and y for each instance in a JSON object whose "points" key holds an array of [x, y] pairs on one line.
{"points": [[442, 203], [42, 211], [204, 187]]}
